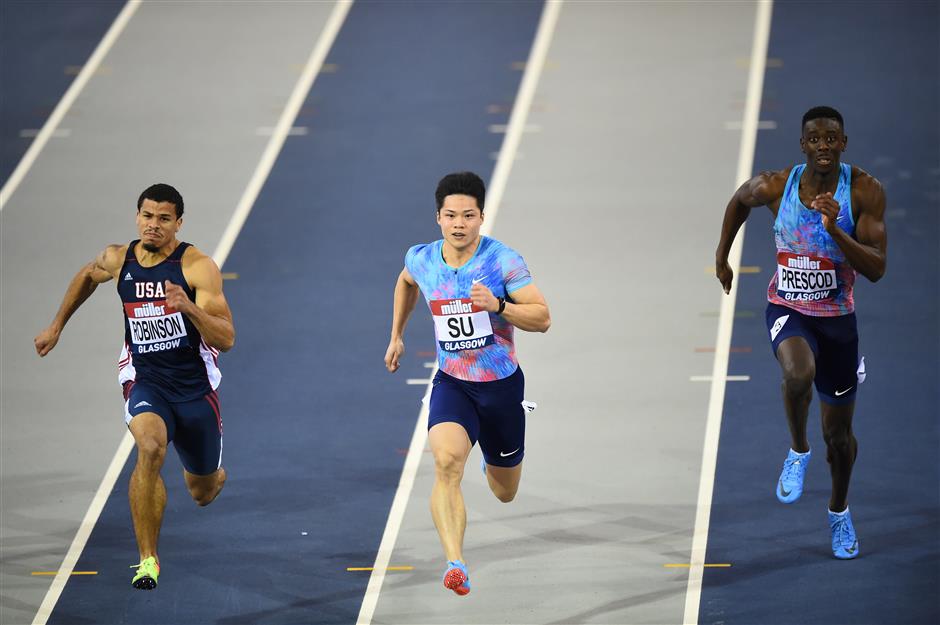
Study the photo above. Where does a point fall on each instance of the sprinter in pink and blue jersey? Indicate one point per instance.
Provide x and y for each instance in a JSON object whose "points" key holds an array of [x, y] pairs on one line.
{"points": [[478, 291], [828, 226], [176, 321]]}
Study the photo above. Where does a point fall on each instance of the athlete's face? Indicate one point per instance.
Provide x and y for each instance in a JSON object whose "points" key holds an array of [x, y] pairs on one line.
{"points": [[823, 143], [157, 224], [460, 219]]}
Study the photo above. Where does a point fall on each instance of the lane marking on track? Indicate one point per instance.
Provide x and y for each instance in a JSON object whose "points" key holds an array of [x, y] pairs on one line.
{"points": [[230, 276], [293, 131], [419, 381], [681, 565], [517, 122], [58, 133], [389, 568], [49, 128], [755, 85], [268, 157], [743, 269], [727, 378]]}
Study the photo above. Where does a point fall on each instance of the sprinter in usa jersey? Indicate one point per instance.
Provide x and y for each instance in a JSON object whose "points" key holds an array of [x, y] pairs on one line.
{"points": [[828, 226], [478, 291], [176, 321]]}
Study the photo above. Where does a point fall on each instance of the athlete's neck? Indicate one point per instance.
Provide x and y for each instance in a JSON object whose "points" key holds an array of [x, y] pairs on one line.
{"points": [[457, 258], [146, 258], [820, 181]]}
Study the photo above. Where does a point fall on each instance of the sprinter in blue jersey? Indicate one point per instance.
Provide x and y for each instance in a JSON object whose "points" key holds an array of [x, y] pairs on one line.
{"points": [[176, 322], [828, 226], [478, 290]]}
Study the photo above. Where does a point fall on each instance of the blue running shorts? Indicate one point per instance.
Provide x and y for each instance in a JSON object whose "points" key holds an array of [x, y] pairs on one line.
{"points": [[490, 412], [834, 341], [194, 427]]}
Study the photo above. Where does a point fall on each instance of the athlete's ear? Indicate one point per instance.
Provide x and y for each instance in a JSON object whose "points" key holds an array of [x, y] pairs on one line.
{"points": [[179, 223], [802, 144]]}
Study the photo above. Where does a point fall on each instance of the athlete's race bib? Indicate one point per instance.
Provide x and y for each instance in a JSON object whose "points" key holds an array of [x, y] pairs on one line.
{"points": [[803, 278], [155, 327], [460, 325]]}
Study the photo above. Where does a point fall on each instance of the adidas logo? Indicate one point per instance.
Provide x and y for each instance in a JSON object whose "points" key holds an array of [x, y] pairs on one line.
{"points": [[143, 403], [128, 276]]}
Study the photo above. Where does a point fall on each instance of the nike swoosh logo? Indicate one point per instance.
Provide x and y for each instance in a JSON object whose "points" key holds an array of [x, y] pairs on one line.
{"points": [[478, 280], [838, 393], [504, 455], [785, 493], [853, 548]]}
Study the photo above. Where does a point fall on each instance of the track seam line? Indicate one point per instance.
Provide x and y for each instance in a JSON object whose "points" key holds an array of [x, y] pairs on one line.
{"points": [[516, 126], [269, 156], [748, 144], [71, 94]]}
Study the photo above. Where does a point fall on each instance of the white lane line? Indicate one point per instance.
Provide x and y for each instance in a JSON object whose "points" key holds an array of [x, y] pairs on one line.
{"points": [[304, 83], [727, 378], [716, 402], [501, 128], [58, 133], [67, 100], [430, 365], [420, 381], [517, 122], [293, 131]]}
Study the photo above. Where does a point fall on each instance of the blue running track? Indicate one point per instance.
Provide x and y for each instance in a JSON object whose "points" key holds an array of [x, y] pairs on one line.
{"points": [[313, 422], [878, 64]]}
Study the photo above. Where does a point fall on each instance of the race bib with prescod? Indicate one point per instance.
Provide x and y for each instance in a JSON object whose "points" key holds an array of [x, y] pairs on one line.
{"points": [[804, 278], [155, 327], [459, 325]]}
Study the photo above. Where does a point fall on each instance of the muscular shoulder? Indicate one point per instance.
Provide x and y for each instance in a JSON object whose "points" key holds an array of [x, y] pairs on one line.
{"points": [[419, 256], [111, 258], [768, 186], [867, 190], [199, 268]]}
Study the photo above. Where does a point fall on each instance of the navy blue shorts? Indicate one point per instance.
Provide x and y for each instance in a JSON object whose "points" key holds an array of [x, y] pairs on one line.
{"points": [[490, 412], [834, 341], [194, 427]]}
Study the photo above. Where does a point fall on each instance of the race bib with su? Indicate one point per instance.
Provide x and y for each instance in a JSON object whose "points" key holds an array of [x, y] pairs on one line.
{"points": [[803, 278], [155, 327], [460, 325]]}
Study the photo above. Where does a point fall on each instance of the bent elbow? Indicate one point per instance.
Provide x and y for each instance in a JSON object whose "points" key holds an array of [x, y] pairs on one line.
{"points": [[546, 325], [227, 345]]}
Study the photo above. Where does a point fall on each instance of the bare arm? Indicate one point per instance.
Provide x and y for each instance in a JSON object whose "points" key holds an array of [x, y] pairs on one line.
{"points": [[102, 269], [761, 190], [406, 297], [210, 313], [528, 309], [868, 252]]}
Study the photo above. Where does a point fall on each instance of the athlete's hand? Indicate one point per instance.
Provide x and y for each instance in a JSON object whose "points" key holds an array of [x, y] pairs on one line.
{"points": [[725, 274], [828, 208], [46, 340], [483, 298], [176, 298], [396, 348]]}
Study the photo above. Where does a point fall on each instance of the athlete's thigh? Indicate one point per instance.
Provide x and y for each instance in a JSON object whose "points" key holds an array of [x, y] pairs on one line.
{"points": [[198, 438], [502, 420], [837, 362], [144, 401], [792, 339], [450, 403]]}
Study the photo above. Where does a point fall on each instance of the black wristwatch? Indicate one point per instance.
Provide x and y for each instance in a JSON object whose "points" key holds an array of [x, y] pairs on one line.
{"points": [[502, 305]]}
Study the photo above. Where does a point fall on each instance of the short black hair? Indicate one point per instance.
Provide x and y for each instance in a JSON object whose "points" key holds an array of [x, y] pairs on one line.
{"points": [[823, 112], [161, 192], [461, 183]]}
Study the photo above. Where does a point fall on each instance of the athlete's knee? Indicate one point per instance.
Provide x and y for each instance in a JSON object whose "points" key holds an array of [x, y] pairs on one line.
{"points": [[839, 438], [150, 450], [505, 495], [448, 464], [205, 490], [798, 378]]}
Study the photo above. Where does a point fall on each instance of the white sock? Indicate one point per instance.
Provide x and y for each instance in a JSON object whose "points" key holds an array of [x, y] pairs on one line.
{"points": [[843, 513], [805, 453]]}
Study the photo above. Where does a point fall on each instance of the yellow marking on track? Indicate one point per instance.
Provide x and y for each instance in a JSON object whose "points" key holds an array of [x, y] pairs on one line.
{"points": [[744, 269], [369, 568], [682, 565], [230, 276], [56, 573]]}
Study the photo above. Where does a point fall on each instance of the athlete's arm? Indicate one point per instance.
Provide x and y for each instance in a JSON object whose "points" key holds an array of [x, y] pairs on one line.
{"points": [[210, 314], [868, 252], [406, 296], [763, 189], [103, 268], [528, 309]]}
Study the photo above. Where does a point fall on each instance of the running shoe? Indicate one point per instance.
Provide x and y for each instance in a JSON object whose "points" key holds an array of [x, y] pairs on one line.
{"points": [[456, 577], [790, 484], [844, 541], [147, 573]]}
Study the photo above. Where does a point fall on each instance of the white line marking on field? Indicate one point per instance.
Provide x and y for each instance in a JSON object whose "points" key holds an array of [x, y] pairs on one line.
{"points": [[517, 122], [716, 402], [501, 128], [727, 378], [304, 83], [419, 381], [23, 167], [430, 365]]}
